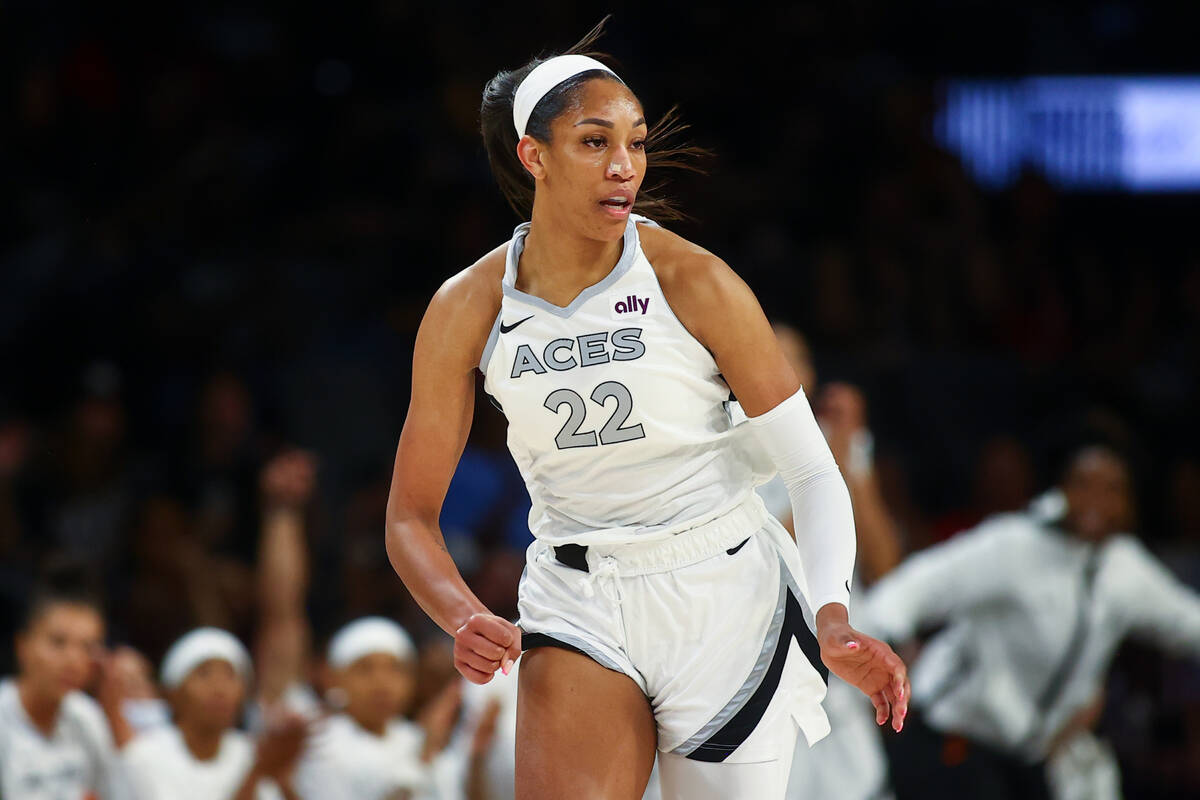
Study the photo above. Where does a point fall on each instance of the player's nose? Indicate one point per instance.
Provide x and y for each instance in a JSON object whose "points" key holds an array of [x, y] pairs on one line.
{"points": [[620, 165]]}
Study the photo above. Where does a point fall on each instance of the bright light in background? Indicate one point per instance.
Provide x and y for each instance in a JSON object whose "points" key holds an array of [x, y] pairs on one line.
{"points": [[1083, 133], [1161, 129]]}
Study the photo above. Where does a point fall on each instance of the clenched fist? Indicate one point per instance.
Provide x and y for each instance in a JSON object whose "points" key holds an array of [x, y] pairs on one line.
{"points": [[486, 643]]}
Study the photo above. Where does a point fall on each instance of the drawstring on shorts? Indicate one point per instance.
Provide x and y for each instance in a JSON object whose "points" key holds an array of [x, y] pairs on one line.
{"points": [[606, 575]]}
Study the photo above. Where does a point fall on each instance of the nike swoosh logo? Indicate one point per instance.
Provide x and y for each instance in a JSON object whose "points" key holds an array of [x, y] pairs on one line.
{"points": [[506, 328]]}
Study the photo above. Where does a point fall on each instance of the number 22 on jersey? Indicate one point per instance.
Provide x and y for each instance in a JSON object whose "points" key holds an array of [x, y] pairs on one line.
{"points": [[614, 431]]}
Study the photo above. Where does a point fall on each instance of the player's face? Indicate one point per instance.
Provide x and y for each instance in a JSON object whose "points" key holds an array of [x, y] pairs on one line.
{"points": [[596, 160], [1099, 496], [378, 687], [210, 696], [59, 652]]}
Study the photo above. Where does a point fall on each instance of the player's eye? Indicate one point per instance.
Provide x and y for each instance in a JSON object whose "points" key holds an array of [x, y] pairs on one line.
{"points": [[640, 144], [594, 141]]}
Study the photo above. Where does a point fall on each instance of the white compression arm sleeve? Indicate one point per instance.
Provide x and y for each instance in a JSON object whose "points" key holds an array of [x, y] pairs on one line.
{"points": [[821, 511]]}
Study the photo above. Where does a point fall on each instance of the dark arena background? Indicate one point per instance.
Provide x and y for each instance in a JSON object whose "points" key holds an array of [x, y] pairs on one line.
{"points": [[221, 223]]}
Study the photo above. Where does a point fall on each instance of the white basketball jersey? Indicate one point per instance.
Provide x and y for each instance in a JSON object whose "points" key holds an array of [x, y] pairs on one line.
{"points": [[617, 416]]}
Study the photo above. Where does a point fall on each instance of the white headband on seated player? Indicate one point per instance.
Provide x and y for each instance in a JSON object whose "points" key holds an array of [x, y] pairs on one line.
{"points": [[366, 636], [203, 644], [543, 78]]}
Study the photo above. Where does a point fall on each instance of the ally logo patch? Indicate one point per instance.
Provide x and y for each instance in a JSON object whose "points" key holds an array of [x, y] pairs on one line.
{"points": [[629, 305]]}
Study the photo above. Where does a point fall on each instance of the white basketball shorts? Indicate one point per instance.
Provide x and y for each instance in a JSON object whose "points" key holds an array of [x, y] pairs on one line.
{"points": [[710, 623]]}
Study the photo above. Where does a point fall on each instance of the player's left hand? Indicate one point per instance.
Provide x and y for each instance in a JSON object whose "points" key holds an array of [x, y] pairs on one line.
{"points": [[866, 663]]}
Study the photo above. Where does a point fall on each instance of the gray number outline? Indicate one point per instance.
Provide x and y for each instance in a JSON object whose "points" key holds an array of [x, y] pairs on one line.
{"points": [[612, 432], [566, 441], [569, 436]]}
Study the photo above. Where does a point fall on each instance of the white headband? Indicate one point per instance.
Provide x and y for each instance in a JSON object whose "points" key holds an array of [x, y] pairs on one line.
{"points": [[366, 636], [203, 644], [544, 77]]}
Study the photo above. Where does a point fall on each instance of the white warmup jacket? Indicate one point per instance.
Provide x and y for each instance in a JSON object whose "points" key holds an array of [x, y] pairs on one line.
{"points": [[1021, 614]]}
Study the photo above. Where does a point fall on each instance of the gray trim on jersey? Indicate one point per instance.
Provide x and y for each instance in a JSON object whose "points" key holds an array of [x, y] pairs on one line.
{"points": [[583, 646], [765, 654], [624, 264], [491, 342], [666, 304]]}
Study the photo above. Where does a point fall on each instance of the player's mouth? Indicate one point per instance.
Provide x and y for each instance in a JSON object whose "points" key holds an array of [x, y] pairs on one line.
{"points": [[618, 205]]}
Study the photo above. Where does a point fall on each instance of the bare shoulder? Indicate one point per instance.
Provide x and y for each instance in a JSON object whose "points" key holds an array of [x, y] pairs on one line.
{"points": [[476, 286], [461, 314], [678, 262], [695, 282]]}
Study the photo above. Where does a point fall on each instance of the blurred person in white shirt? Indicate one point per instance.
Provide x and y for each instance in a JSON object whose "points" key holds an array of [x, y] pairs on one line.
{"points": [[366, 748], [202, 755], [370, 751], [55, 741], [1033, 607]]}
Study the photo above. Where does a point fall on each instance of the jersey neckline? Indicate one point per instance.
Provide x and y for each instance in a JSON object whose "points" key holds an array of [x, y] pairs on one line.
{"points": [[517, 246]]}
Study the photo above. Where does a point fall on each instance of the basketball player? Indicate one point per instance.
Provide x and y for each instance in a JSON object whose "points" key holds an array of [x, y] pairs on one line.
{"points": [[661, 604], [54, 739]]}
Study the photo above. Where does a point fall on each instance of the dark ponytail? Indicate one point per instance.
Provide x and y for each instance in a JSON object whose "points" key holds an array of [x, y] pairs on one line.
{"points": [[663, 145]]}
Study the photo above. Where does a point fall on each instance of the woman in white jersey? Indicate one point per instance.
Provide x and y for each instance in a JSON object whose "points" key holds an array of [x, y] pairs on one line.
{"points": [[55, 741], [661, 606]]}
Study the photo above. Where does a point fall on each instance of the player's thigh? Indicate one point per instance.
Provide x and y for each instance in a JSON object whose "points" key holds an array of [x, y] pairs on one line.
{"points": [[685, 779], [583, 731]]}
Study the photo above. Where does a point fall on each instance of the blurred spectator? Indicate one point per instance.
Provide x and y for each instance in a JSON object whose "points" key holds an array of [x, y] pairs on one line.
{"points": [[1033, 606], [201, 755], [54, 739], [282, 647], [369, 751], [129, 694]]}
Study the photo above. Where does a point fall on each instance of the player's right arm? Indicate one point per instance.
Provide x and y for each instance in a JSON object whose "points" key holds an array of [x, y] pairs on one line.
{"points": [[449, 344]]}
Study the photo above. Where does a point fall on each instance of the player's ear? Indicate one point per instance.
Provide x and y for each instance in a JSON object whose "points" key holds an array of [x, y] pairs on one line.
{"points": [[529, 151]]}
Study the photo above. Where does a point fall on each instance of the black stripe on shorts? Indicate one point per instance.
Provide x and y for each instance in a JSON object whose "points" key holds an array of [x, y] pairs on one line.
{"points": [[721, 744]]}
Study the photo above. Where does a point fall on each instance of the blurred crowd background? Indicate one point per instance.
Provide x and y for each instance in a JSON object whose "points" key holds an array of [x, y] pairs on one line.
{"points": [[222, 221]]}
